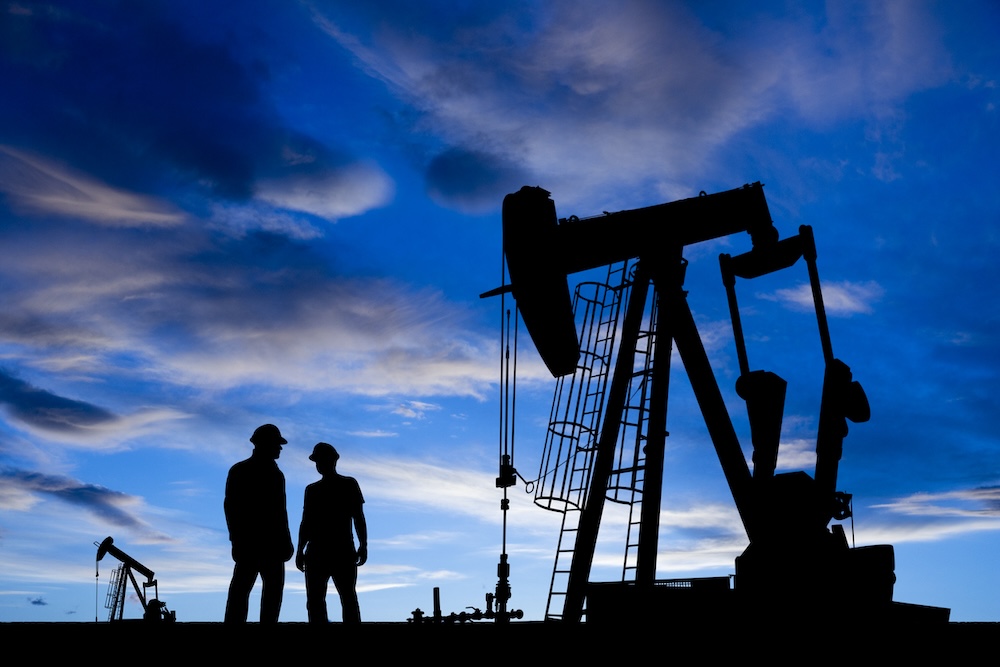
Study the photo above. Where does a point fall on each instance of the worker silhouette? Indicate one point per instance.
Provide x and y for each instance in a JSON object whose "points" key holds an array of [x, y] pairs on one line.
{"points": [[326, 542], [258, 527]]}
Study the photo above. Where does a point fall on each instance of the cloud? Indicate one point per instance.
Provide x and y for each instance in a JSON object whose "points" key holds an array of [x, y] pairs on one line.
{"points": [[566, 93], [141, 101], [593, 97], [471, 180], [47, 411], [206, 308], [428, 539], [241, 219], [414, 409], [929, 516], [371, 338], [700, 537], [450, 490], [705, 536], [842, 298], [862, 59], [982, 502], [708, 514], [74, 421], [38, 186], [428, 485], [19, 490], [797, 454], [334, 194], [712, 535], [888, 532]]}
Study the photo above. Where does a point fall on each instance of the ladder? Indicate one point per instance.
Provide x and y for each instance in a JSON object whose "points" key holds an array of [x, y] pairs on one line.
{"points": [[115, 600], [575, 419], [561, 569], [625, 485]]}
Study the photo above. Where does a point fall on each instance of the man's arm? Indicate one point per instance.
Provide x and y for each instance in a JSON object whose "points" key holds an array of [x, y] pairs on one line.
{"points": [[300, 553], [362, 528], [289, 548], [234, 506], [228, 505]]}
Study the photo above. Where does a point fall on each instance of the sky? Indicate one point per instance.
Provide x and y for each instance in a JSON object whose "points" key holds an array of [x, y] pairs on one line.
{"points": [[219, 215]]}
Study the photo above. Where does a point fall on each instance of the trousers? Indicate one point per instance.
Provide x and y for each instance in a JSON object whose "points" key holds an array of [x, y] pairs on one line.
{"points": [[344, 572], [272, 576]]}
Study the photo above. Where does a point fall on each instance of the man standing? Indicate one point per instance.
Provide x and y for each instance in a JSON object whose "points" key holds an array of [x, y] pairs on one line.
{"points": [[326, 541], [258, 527]]}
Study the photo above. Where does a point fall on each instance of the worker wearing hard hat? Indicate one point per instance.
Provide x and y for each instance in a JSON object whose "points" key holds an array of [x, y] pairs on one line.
{"points": [[257, 517], [326, 540]]}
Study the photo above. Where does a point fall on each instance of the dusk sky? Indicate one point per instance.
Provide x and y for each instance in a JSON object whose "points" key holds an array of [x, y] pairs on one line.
{"points": [[216, 215]]}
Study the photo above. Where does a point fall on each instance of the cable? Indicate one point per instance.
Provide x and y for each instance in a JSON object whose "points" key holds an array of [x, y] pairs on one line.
{"points": [[97, 585]]}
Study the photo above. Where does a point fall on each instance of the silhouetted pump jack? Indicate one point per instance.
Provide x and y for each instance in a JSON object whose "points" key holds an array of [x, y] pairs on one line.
{"points": [[153, 610], [796, 567]]}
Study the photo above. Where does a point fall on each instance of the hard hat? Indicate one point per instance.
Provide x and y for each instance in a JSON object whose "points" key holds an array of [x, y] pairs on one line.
{"points": [[266, 435], [324, 452]]}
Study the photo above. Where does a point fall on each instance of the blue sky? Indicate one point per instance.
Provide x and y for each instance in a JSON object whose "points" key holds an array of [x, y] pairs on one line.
{"points": [[219, 215]]}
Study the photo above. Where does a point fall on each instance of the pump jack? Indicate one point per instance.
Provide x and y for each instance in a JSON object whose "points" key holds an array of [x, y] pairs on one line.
{"points": [[153, 609], [794, 560]]}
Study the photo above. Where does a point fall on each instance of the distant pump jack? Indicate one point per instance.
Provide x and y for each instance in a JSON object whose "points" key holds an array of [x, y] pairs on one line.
{"points": [[153, 610]]}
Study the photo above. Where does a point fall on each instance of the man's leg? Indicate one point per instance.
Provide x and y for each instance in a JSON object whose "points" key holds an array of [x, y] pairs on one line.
{"points": [[244, 576], [345, 578], [316, 585], [272, 576]]}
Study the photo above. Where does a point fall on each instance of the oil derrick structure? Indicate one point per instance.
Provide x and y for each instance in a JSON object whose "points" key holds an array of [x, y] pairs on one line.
{"points": [[612, 447]]}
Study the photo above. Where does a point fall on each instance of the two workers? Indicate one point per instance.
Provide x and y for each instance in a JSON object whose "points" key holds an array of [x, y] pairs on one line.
{"points": [[257, 518]]}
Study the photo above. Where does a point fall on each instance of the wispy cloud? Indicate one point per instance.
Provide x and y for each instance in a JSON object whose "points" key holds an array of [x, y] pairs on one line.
{"points": [[428, 485], [206, 127], [453, 489], [640, 93], [42, 187], [706, 516], [74, 420], [797, 454], [369, 338], [839, 298], [373, 434], [423, 540], [508, 113], [414, 409], [692, 539], [333, 195], [966, 503], [245, 218], [19, 491], [47, 411], [228, 311]]}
